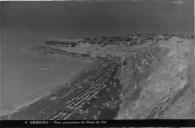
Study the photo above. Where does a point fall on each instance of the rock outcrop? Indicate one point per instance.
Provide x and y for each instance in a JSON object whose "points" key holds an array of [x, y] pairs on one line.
{"points": [[158, 82]]}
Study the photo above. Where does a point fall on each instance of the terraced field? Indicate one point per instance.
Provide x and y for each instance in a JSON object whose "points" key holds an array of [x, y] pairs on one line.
{"points": [[81, 98], [80, 103]]}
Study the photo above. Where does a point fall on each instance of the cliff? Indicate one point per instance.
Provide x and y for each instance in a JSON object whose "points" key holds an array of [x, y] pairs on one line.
{"points": [[158, 82]]}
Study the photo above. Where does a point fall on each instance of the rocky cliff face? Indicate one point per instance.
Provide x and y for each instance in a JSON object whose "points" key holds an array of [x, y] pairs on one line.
{"points": [[158, 82]]}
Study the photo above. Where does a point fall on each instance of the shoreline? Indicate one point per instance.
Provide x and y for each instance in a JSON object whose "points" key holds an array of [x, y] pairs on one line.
{"points": [[48, 92]]}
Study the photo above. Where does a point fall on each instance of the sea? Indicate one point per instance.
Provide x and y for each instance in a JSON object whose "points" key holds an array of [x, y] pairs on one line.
{"points": [[25, 75]]}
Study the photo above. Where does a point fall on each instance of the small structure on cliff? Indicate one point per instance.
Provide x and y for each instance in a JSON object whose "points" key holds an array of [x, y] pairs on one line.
{"points": [[123, 60]]}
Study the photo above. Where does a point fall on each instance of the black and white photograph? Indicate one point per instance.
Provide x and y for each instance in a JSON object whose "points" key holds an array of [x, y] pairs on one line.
{"points": [[97, 60]]}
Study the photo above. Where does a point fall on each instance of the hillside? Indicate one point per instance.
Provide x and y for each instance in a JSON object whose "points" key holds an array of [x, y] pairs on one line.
{"points": [[153, 78], [158, 82]]}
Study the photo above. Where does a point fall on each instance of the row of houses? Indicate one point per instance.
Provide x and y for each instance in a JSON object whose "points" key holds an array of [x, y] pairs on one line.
{"points": [[130, 39], [63, 42]]}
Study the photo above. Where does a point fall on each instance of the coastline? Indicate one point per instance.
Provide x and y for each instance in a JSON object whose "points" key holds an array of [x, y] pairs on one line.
{"points": [[47, 92], [96, 86]]}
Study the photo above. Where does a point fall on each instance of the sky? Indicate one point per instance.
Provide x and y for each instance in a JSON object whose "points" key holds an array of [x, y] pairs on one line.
{"points": [[100, 17]]}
